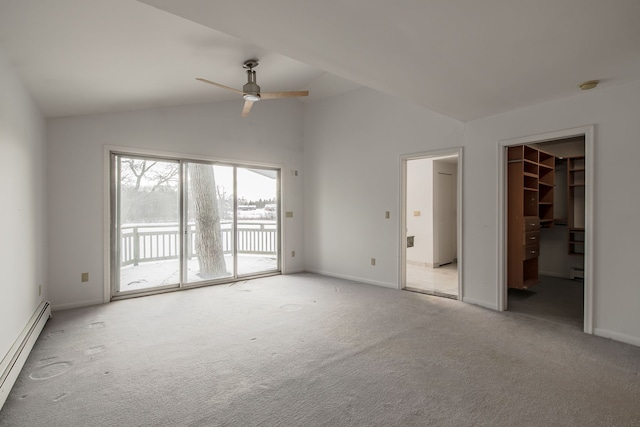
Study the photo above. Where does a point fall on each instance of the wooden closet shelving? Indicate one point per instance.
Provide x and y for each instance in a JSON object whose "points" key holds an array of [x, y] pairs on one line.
{"points": [[546, 164], [531, 175]]}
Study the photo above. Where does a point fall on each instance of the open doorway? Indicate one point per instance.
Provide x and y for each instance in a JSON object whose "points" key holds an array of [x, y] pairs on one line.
{"points": [[547, 227], [430, 223]]}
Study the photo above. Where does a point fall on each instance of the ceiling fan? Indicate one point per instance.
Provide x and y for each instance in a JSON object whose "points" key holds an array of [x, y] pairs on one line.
{"points": [[251, 91]]}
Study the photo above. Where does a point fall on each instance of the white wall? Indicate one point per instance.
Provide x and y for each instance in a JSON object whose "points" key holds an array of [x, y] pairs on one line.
{"points": [[420, 199], [271, 134], [23, 234], [352, 148], [615, 112]]}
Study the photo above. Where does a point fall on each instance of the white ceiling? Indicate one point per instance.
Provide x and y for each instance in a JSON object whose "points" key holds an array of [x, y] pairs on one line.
{"points": [[463, 58], [92, 56]]}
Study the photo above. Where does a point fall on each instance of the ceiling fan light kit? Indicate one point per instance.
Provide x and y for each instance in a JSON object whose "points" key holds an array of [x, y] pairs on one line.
{"points": [[251, 97], [251, 91]]}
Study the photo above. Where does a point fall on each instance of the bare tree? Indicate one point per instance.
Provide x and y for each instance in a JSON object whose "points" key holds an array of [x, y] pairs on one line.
{"points": [[207, 215], [140, 171], [149, 190], [146, 178]]}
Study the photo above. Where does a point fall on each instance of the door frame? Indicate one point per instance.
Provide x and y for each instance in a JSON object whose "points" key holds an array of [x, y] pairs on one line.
{"points": [[108, 252], [589, 136], [402, 239]]}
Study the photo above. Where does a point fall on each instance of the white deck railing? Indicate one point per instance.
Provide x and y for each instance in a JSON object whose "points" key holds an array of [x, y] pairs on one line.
{"points": [[156, 242]]}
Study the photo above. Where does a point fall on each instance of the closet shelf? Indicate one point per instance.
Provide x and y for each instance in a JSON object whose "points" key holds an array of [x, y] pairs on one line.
{"points": [[531, 176]]}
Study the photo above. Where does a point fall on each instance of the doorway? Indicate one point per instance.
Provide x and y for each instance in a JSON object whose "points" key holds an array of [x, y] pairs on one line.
{"points": [[179, 223], [547, 227], [430, 226]]}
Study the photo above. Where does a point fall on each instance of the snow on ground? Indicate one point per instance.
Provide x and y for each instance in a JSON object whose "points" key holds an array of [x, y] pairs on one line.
{"points": [[164, 273]]}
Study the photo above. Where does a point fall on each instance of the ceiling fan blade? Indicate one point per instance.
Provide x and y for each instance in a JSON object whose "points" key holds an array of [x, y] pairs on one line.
{"points": [[275, 95], [247, 108], [219, 85]]}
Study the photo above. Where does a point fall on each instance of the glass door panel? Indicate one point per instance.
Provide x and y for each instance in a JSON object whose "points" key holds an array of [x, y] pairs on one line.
{"points": [[257, 220], [147, 223], [209, 217]]}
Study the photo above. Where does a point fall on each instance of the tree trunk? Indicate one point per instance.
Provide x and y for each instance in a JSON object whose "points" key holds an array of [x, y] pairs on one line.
{"points": [[207, 215]]}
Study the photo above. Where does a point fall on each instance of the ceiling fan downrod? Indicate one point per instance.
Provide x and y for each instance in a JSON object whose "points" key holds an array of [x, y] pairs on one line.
{"points": [[251, 89]]}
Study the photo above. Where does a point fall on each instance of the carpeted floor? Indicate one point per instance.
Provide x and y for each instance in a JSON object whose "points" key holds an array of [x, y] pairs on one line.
{"points": [[307, 350], [553, 299]]}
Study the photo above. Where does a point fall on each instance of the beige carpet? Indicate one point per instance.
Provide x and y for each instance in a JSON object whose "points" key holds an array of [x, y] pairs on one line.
{"points": [[307, 350]]}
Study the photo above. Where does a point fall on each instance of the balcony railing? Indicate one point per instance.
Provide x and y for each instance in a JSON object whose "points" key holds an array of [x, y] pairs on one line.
{"points": [[157, 242]]}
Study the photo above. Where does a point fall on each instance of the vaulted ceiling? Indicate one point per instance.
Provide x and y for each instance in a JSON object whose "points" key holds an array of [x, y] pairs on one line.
{"points": [[463, 58]]}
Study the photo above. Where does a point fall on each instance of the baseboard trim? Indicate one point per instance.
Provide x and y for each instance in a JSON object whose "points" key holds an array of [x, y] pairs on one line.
{"points": [[604, 333], [13, 362], [353, 278]]}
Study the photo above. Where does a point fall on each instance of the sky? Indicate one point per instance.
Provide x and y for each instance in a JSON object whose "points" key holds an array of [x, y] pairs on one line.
{"points": [[251, 185]]}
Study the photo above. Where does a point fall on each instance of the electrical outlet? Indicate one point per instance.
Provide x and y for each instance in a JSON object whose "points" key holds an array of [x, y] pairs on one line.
{"points": [[416, 213], [84, 277], [289, 214], [373, 261], [293, 254], [39, 290], [387, 214]]}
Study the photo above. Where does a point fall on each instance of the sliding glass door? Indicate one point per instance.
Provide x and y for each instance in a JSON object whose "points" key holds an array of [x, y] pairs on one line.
{"points": [[179, 223]]}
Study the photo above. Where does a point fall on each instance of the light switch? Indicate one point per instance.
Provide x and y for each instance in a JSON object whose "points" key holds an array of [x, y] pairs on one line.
{"points": [[387, 214], [84, 277], [416, 213], [289, 214]]}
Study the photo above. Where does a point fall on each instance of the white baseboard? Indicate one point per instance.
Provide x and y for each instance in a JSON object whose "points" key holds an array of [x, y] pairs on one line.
{"points": [[604, 333], [69, 306], [13, 362], [355, 279]]}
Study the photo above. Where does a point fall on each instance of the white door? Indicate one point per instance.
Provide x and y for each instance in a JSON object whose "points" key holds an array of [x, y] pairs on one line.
{"points": [[445, 224]]}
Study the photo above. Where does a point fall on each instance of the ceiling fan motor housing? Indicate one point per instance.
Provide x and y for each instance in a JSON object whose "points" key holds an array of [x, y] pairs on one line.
{"points": [[251, 88]]}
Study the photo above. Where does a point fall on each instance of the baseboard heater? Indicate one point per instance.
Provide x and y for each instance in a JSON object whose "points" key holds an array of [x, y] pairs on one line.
{"points": [[13, 362]]}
